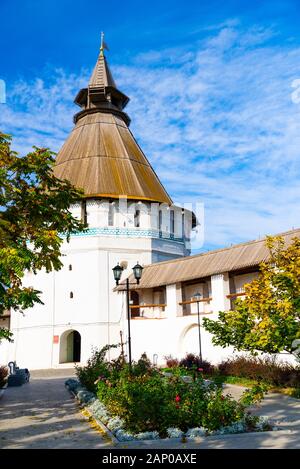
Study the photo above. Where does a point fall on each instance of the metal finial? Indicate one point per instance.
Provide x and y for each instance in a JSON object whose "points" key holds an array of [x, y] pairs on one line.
{"points": [[102, 43]]}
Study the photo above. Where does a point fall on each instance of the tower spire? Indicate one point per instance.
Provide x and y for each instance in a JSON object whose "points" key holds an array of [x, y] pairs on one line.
{"points": [[101, 155], [101, 75], [102, 44]]}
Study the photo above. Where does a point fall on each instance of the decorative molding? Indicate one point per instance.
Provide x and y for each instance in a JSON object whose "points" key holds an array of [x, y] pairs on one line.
{"points": [[96, 203], [126, 233]]}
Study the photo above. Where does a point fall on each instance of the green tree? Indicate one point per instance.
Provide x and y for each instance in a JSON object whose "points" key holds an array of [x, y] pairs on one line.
{"points": [[34, 212], [268, 319]]}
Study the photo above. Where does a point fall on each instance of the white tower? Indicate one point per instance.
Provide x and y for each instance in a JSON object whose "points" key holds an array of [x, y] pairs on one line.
{"points": [[130, 218]]}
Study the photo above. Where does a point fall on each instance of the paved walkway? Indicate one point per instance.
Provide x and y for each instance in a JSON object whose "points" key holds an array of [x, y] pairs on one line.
{"points": [[282, 409], [42, 414]]}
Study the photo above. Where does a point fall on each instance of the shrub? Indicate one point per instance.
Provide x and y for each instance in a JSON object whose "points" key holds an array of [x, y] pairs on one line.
{"points": [[138, 400], [97, 366], [266, 369], [174, 433], [141, 402], [147, 436], [150, 402], [142, 367], [296, 393], [99, 411], [72, 384], [196, 432], [85, 397], [3, 376], [191, 361], [171, 362], [222, 411]]}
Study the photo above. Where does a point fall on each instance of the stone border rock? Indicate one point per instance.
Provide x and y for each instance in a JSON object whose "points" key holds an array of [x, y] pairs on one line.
{"points": [[101, 425]]}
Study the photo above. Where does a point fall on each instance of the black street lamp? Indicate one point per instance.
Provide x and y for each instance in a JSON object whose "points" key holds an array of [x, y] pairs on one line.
{"points": [[197, 297], [117, 270], [137, 272]]}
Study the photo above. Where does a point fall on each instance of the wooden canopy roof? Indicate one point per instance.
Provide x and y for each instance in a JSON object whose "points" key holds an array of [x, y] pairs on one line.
{"points": [[240, 256], [101, 155]]}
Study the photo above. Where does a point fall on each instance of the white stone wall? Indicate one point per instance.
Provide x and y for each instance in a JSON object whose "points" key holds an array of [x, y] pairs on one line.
{"points": [[81, 297], [97, 312]]}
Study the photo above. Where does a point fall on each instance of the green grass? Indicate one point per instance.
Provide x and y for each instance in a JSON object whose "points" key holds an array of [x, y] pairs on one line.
{"points": [[180, 371], [240, 381], [247, 382]]}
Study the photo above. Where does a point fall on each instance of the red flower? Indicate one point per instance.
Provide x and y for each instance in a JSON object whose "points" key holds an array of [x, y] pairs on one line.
{"points": [[177, 398]]}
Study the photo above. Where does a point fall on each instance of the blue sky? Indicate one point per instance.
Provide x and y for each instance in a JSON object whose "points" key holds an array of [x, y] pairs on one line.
{"points": [[211, 88]]}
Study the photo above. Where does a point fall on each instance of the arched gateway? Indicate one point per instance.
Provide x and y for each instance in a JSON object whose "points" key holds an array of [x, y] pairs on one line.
{"points": [[70, 347]]}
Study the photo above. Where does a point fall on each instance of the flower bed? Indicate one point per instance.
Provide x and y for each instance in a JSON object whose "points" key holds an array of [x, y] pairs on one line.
{"points": [[141, 402], [116, 425]]}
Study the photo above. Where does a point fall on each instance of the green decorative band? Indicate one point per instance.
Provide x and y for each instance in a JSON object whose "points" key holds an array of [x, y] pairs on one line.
{"points": [[127, 233]]}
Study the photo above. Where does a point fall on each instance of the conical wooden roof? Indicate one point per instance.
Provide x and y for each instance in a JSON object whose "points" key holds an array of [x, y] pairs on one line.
{"points": [[101, 75], [101, 155]]}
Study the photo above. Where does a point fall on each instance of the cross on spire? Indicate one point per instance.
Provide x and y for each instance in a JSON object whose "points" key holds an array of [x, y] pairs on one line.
{"points": [[103, 44]]}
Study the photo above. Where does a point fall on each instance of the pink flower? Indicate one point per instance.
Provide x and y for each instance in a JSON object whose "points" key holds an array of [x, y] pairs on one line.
{"points": [[200, 369], [177, 398]]}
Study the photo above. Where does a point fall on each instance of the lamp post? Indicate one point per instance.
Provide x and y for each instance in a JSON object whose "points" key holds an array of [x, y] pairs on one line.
{"points": [[197, 297], [137, 272]]}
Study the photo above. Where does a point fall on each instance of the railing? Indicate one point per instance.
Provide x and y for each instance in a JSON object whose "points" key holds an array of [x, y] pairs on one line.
{"points": [[152, 305], [148, 306], [203, 300], [235, 295]]}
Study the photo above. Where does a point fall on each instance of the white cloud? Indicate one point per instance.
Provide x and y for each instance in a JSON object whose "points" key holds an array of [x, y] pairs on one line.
{"points": [[217, 121]]}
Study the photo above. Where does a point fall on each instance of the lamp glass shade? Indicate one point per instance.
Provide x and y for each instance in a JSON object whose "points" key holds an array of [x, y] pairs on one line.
{"points": [[117, 270], [137, 271], [197, 296]]}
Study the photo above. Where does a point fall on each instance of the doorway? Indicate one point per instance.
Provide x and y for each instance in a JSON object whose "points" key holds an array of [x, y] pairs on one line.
{"points": [[70, 347], [135, 300]]}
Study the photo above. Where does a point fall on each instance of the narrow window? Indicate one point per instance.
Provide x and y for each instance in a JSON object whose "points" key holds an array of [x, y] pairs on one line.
{"points": [[71, 294], [172, 222], [160, 220], [83, 212], [111, 212], [137, 215], [182, 225], [70, 267]]}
